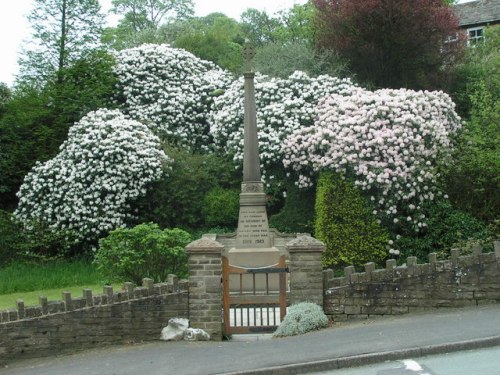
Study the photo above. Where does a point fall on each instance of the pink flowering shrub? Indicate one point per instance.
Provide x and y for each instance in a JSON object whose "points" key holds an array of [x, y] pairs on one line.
{"points": [[283, 106], [390, 142]]}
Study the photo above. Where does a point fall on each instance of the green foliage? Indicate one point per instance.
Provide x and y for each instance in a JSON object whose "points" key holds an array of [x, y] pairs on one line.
{"points": [[480, 68], [302, 318], [473, 178], [215, 38], [446, 228], [28, 276], [177, 199], [345, 223], [10, 236], [221, 207], [147, 14], [281, 60], [143, 251], [36, 121], [259, 27], [40, 243], [5, 95], [297, 215], [63, 31], [291, 25]]}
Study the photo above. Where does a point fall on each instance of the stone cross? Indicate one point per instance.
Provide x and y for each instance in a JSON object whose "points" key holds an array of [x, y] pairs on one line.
{"points": [[253, 227], [251, 161], [248, 55]]}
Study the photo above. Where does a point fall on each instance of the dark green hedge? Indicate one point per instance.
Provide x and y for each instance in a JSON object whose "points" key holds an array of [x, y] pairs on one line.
{"points": [[345, 223]]}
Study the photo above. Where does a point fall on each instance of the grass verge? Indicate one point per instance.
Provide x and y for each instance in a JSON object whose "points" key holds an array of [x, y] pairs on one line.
{"points": [[29, 280], [8, 301], [31, 276]]}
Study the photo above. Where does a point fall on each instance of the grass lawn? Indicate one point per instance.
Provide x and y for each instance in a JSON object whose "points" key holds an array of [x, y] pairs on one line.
{"points": [[8, 301], [28, 281]]}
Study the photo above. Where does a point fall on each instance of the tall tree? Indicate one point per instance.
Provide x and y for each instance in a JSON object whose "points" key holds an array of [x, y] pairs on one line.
{"points": [[63, 31], [391, 43], [216, 38], [146, 14], [259, 27]]}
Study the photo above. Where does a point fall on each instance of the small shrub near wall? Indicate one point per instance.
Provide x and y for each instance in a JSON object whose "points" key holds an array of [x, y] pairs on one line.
{"points": [[345, 223], [143, 251], [301, 318]]}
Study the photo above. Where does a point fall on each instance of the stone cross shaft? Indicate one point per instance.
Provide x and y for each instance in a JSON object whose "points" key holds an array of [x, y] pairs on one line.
{"points": [[253, 227], [251, 160]]}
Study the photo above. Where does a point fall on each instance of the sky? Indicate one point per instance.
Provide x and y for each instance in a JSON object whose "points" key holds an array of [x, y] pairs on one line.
{"points": [[14, 27]]}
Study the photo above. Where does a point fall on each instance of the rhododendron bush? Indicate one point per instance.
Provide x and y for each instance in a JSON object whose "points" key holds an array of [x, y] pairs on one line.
{"points": [[390, 142], [170, 90], [106, 163], [283, 106]]}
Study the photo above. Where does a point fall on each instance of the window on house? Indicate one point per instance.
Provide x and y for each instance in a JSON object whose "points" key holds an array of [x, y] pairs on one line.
{"points": [[475, 35]]}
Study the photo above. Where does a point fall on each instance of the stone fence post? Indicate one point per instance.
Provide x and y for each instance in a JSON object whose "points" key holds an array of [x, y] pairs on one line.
{"points": [[306, 270], [205, 290]]}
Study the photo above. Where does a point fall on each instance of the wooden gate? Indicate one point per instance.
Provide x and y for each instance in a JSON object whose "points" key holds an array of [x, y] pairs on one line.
{"points": [[254, 299]]}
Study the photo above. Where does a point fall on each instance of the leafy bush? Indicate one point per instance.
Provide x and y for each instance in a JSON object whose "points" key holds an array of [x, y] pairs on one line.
{"points": [[176, 200], [107, 162], [302, 318], [143, 251], [297, 215], [473, 178], [221, 207], [10, 234], [345, 223], [38, 243], [447, 228]]}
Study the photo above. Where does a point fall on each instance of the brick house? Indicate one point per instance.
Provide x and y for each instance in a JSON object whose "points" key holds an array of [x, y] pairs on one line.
{"points": [[474, 16]]}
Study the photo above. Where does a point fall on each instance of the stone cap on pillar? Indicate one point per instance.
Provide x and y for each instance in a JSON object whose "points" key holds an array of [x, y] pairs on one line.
{"points": [[204, 245], [305, 243]]}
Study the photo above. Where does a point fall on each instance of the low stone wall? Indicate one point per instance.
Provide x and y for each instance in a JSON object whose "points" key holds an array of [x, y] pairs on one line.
{"points": [[55, 327], [459, 281]]}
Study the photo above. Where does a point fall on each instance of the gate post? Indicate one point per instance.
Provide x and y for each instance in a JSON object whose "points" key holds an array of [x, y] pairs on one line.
{"points": [[205, 292], [306, 270]]}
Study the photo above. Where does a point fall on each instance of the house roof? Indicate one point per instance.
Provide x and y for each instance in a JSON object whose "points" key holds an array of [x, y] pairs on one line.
{"points": [[478, 12]]}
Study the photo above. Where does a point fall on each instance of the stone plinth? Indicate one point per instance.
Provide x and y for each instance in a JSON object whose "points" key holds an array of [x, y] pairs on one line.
{"points": [[205, 293], [306, 270]]}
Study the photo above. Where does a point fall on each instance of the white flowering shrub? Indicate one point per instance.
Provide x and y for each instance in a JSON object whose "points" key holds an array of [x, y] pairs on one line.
{"points": [[389, 141], [169, 89], [105, 164], [283, 106]]}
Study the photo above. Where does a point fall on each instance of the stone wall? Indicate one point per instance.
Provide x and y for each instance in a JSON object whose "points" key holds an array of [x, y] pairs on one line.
{"points": [[55, 327], [457, 282]]}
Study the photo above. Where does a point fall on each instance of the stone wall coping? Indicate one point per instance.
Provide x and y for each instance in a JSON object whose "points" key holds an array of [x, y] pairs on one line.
{"points": [[411, 267], [109, 297]]}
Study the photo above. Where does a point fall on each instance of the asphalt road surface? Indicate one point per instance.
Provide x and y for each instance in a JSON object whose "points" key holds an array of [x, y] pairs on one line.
{"points": [[473, 362]]}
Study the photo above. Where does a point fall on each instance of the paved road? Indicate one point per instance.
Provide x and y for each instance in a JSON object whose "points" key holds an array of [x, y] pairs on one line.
{"points": [[470, 362], [344, 345]]}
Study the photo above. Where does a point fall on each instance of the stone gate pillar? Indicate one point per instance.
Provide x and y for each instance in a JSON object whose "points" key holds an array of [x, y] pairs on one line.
{"points": [[306, 270], [205, 291]]}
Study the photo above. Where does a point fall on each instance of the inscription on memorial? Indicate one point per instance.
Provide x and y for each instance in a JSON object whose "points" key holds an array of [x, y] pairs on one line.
{"points": [[253, 228]]}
